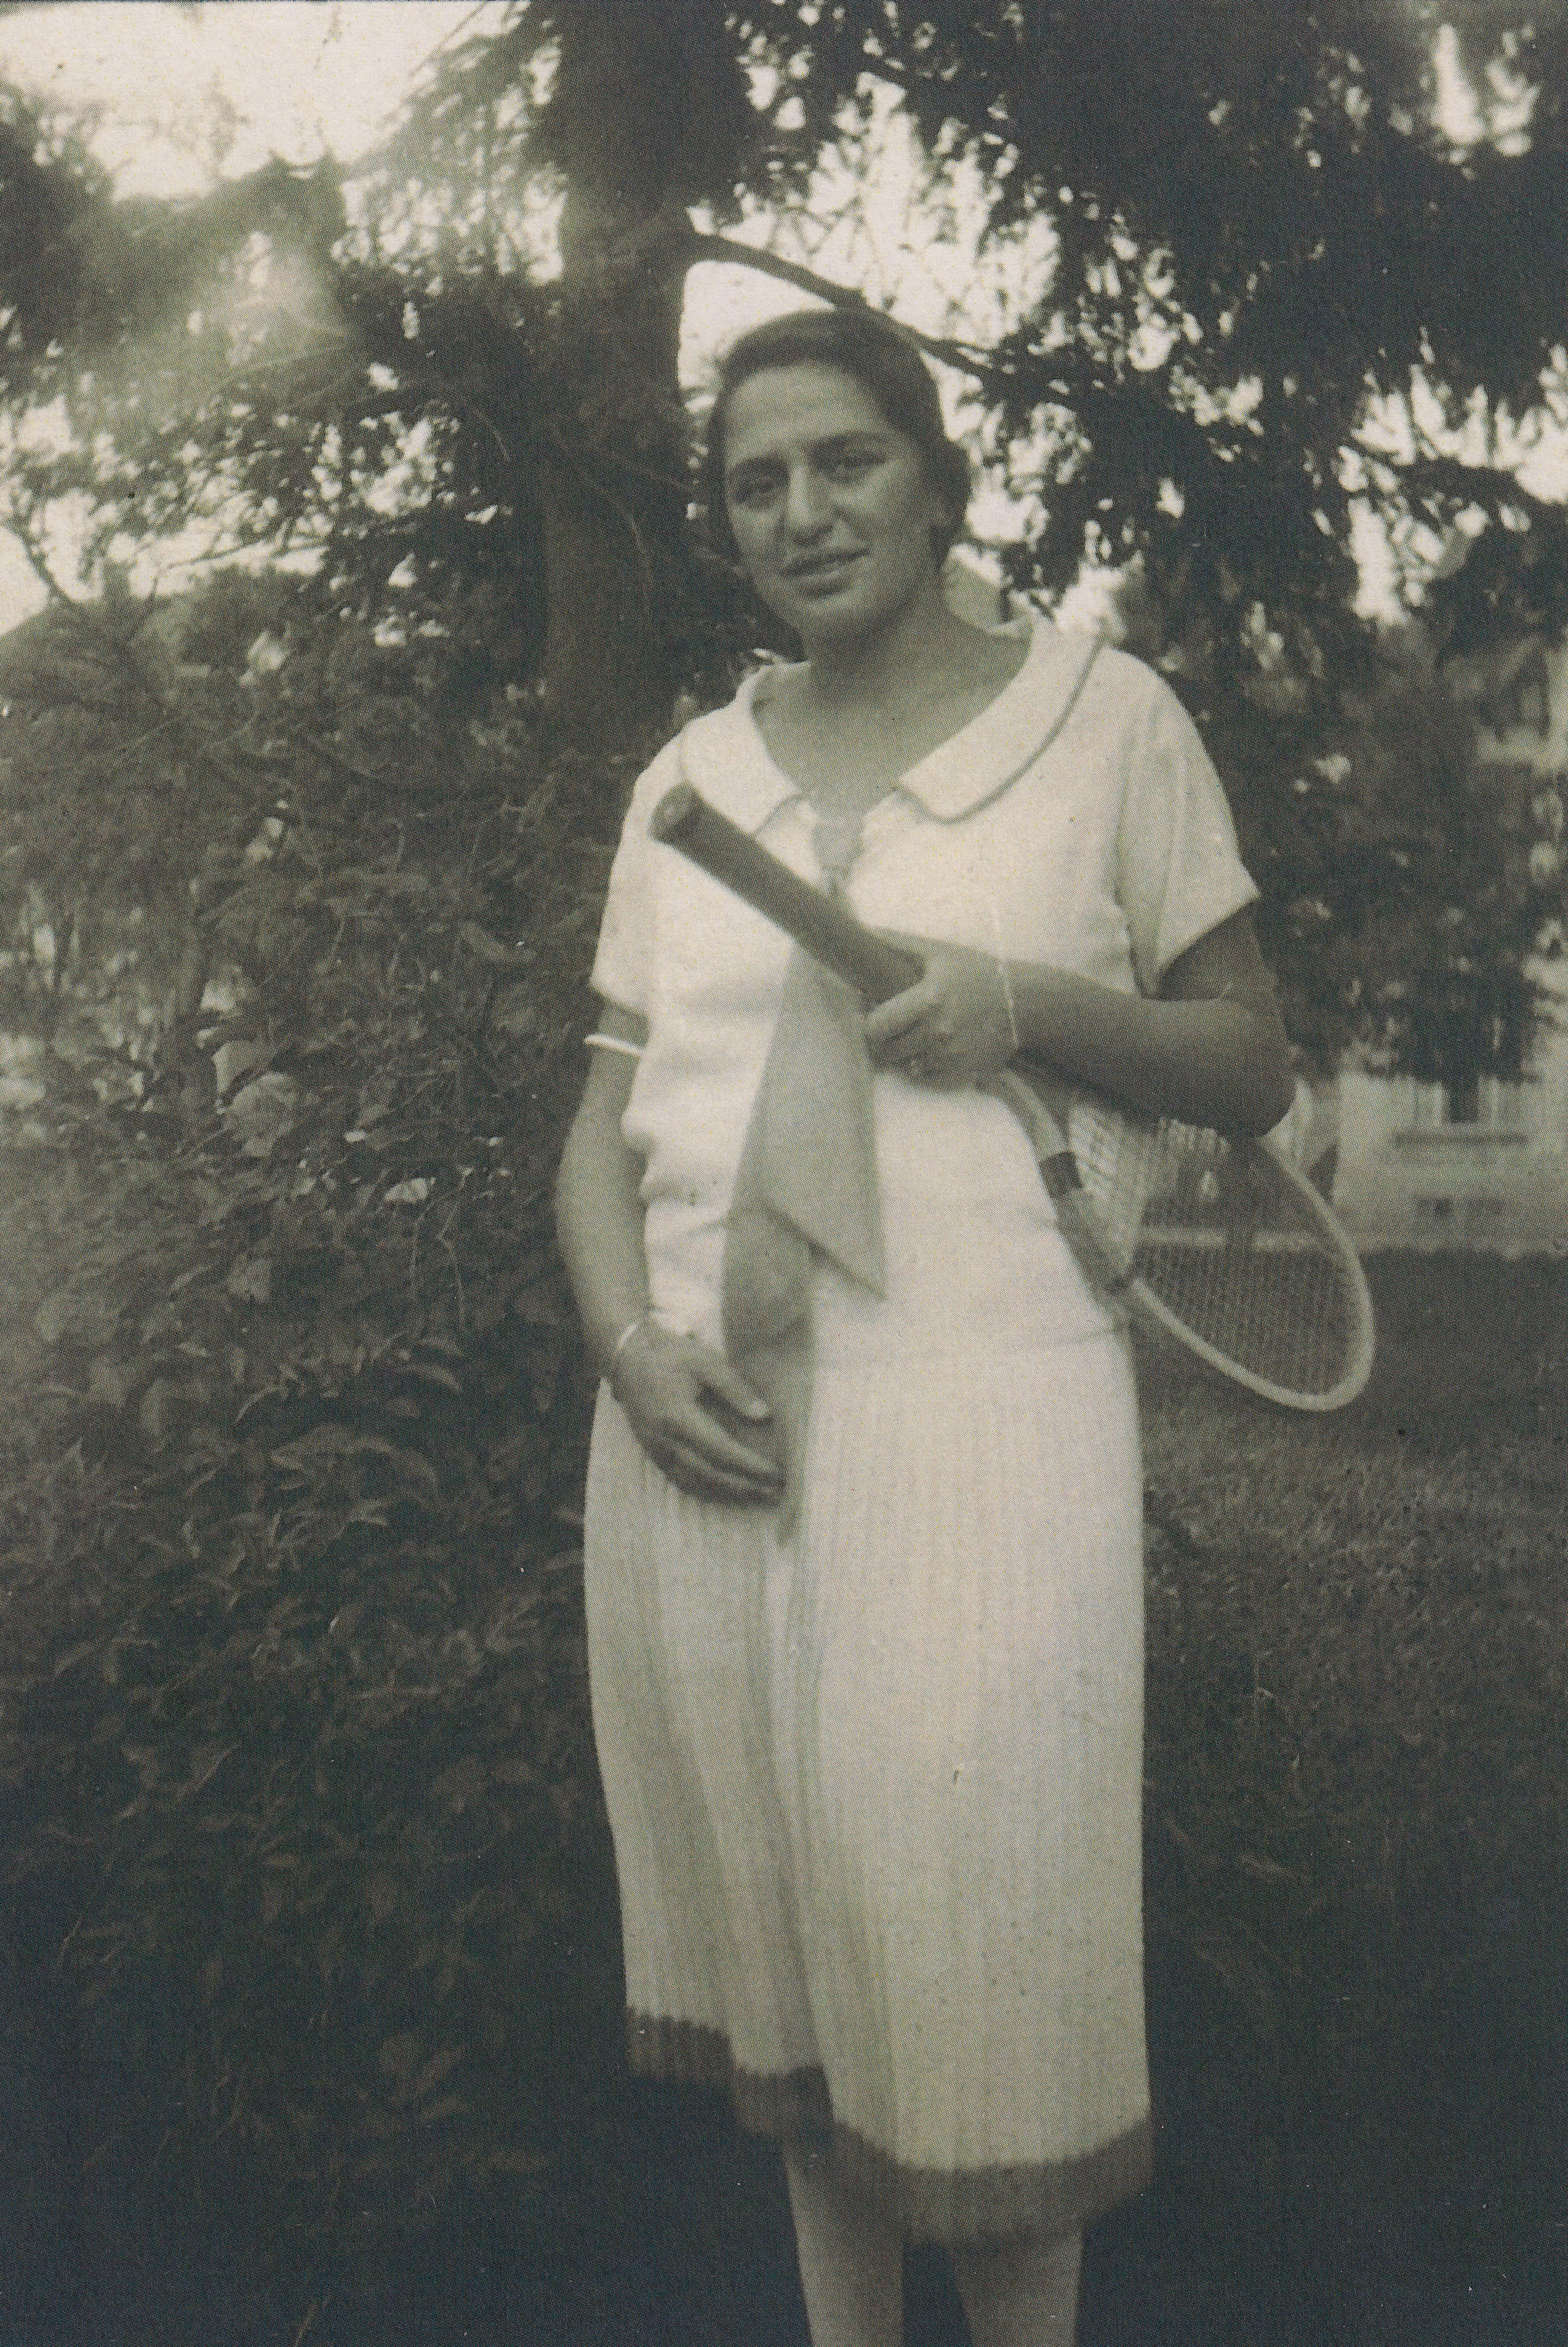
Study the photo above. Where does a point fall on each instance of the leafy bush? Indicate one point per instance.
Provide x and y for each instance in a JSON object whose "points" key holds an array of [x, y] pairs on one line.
{"points": [[293, 1694]]}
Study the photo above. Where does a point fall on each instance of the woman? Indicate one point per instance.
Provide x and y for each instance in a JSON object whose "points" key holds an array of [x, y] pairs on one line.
{"points": [[874, 1759]]}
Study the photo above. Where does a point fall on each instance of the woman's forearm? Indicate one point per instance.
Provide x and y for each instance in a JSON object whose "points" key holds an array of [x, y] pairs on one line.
{"points": [[598, 1223], [1209, 1050], [1212, 1062], [694, 1416]]}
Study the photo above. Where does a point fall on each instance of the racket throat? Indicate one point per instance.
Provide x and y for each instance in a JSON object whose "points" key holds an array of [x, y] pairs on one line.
{"points": [[1059, 1173], [1081, 1227]]}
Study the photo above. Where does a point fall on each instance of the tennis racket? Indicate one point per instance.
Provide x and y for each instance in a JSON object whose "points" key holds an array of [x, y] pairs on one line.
{"points": [[1215, 1239]]}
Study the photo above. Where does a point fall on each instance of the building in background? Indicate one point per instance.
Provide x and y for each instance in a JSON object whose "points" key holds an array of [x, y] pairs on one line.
{"points": [[1418, 1167], [1427, 1165]]}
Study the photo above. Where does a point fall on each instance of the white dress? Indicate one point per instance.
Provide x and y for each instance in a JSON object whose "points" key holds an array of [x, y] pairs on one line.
{"points": [[875, 1791]]}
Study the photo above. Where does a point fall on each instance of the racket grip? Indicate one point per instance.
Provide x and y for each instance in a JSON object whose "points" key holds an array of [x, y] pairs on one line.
{"points": [[828, 930], [1040, 1105], [1080, 1228]]}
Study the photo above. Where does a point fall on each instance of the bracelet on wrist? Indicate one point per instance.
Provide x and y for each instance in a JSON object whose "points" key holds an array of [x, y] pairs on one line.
{"points": [[1006, 976], [644, 1319]]}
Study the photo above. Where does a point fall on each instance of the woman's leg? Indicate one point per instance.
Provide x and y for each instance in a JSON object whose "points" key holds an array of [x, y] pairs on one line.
{"points": [[851, 2258], [1020, 2294]]}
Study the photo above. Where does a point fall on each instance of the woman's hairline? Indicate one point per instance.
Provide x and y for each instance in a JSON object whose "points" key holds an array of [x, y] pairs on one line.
{"points": [[842, 361]]}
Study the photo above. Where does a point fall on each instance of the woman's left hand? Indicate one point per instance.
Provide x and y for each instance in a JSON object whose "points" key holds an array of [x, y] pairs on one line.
{"points": [[955, 1026]]}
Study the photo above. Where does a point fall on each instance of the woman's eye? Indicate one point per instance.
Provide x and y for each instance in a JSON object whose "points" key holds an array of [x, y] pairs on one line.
{"points": [[754, 489], [846, 463]]}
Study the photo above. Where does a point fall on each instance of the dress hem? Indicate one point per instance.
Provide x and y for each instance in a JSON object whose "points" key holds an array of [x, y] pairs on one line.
{"points": [[1044, 2198]]}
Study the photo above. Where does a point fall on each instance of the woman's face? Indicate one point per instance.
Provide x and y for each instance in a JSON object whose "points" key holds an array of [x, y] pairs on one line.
{"points": [[831, 506]]}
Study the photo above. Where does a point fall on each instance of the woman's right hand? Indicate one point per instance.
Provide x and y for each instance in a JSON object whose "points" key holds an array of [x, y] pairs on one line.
{"points": [[661, 1382]]}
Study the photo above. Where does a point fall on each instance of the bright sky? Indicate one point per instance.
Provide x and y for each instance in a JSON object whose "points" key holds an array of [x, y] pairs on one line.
{"points": [[289, 77], [185, 93], [296, 79], [300, 76]]}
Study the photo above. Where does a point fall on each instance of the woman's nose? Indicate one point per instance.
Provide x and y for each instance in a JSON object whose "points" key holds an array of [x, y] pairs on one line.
{"points": [[807, 508]]}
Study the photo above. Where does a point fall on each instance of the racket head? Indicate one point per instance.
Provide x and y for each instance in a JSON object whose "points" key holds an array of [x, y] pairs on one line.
{"points": [[1215, 1238], [1240, 1258]]}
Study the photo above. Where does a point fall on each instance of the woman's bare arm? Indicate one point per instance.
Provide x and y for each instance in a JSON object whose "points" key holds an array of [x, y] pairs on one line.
{"points": [[599, 1213], [1209, 1050], [662, 1380]]}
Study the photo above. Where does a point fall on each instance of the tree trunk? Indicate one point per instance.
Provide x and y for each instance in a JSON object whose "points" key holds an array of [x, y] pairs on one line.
{"points": [[615, 516]]}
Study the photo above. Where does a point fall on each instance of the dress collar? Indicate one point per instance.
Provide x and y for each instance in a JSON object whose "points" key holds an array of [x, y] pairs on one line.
{"points": [[723, 754]]}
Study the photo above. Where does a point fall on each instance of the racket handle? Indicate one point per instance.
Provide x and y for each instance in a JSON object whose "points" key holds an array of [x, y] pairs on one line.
{"points": [[1081, 1227], [825, 928], [1040, 1106]]}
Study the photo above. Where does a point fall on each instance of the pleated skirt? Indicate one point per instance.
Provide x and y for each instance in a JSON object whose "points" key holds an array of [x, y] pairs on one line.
{"points": [[875, 1789]]}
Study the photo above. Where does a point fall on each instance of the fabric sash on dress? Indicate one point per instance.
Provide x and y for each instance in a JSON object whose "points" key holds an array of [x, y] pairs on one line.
{"points": [[808, 1175], [806, 1184]]}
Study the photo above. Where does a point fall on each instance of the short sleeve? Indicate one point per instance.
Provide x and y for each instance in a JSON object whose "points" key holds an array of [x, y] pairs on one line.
{"points": [[1179, 870], [623, 961]]}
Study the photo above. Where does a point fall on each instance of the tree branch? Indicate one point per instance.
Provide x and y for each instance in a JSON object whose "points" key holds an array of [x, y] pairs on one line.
{"points": [[700, 246], [105, 643], [22, 530]]}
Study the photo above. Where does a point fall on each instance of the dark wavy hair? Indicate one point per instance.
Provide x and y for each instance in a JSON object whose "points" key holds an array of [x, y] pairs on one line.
{"points": [[884, 361]]}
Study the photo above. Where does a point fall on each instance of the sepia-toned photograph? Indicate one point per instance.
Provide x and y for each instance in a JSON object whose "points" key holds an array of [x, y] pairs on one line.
{"points": [[783, 1174]]}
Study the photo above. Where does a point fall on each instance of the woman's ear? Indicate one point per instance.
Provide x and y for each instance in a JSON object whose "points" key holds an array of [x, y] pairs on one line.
{"points": [[940, 511], [944, 527], [944, 519]]}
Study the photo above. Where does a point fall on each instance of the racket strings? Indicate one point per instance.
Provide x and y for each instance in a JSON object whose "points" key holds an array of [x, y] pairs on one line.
{"points": [[1284, 1318], [1236, 1256], [1118, 1159]]}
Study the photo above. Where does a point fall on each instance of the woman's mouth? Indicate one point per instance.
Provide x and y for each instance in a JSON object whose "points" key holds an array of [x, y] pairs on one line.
{"points": [[823, 572]]}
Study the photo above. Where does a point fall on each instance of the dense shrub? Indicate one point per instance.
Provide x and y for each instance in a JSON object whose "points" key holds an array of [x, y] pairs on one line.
{"points": [[294, 1721]]}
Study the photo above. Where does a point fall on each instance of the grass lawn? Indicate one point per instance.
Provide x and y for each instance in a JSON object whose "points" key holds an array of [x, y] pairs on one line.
{"points": [[1357, 1884]]}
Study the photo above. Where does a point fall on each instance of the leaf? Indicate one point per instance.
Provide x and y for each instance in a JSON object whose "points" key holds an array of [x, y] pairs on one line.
{"points": [[409, 1193], [91, 1319], [109, 1380], [249, 1280], [490, 950], [1265, 1870], [365, 1512], [232, 1060], [440, 2066], [510, 1457], [324, 1444], [152, 1416], [262, 1112]]}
